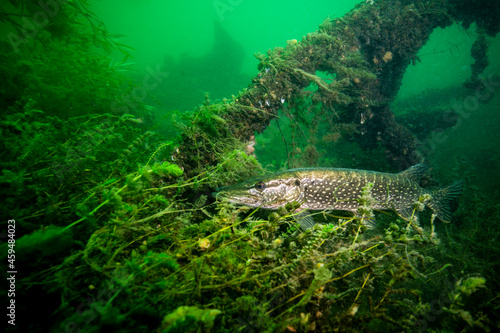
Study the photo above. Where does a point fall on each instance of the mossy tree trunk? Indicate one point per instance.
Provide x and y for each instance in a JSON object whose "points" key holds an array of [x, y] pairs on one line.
{"points": [[352, 68]]}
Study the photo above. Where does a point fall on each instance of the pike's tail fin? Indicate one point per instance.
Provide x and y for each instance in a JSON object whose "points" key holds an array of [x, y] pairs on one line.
{"points": [[443, 198]]}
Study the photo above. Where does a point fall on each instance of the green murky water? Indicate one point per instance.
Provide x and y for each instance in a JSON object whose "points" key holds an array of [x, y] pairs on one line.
{"points": [[120, 118]]}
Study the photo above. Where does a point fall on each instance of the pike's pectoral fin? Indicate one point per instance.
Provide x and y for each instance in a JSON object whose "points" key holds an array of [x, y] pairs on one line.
{"points": [[407, 213], [305, 219], [368, 222]]}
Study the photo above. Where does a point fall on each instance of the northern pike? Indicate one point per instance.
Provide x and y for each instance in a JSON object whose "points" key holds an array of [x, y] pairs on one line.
{"points": [[341, 189]]}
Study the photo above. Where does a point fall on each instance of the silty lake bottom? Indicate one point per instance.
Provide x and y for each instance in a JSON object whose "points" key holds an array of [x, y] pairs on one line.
{"points": [[119, 121]]}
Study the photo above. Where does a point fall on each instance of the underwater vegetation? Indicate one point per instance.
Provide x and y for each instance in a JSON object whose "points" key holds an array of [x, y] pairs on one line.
{"points": [[115, 228]]}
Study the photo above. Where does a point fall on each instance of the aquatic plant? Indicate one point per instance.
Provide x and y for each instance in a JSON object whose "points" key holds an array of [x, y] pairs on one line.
{"points": [[65, 61], [117, 227], [228, 257]]}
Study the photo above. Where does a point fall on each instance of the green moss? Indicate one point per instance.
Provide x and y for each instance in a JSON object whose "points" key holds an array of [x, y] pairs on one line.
{"points": [[190, 319], [168, 169], [470, 285], [162, 260]]}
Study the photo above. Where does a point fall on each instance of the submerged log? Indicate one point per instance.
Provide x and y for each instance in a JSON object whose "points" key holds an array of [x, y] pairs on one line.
{"points": [[346, 72]]}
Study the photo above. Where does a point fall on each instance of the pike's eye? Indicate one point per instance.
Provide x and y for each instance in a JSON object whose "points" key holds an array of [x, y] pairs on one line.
{"points": [[296, 182], [260, 186]]}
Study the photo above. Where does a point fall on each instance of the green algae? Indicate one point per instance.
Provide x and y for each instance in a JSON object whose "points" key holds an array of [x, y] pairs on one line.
{"points": [[116, 224]]}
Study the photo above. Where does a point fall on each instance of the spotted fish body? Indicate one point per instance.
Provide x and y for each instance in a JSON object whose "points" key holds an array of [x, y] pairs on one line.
{"points": [[340, 189]]}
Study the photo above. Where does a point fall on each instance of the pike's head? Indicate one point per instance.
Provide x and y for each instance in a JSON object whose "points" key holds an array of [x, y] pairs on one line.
{"points": [[270, 192]]}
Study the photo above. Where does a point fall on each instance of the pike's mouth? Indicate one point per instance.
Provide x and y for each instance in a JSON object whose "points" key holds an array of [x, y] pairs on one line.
{"points": [[240, 200], [245, 199]]}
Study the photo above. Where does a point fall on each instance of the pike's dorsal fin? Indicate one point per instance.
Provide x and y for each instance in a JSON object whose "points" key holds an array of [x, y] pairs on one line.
{"points": [[415, 172]]}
